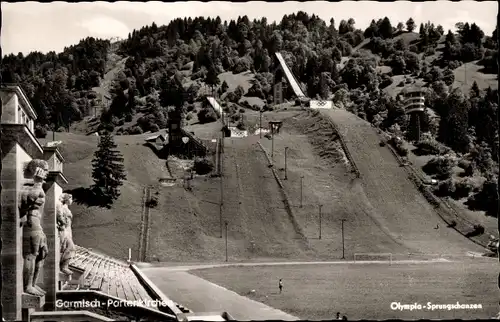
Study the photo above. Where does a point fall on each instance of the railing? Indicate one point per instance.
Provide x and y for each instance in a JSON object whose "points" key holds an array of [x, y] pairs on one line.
{"points": [[286, 199], [67, 316], [155, 292]]}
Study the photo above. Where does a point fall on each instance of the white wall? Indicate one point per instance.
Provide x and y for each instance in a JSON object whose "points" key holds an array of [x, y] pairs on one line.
{"points": [[320, 104]]}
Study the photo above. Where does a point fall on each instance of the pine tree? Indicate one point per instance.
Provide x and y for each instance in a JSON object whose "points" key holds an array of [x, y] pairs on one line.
{"points": [[410, 25], [474, 90], [107, 168], [211, 78]]}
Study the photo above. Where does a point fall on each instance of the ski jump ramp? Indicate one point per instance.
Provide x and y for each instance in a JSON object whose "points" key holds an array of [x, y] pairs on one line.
{"points": [[293, 82], [215, 105]]}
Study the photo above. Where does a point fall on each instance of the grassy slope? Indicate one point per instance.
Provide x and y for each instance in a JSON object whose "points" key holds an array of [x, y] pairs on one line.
{"points": [[114, 230], [397, 205], [314, 152]]}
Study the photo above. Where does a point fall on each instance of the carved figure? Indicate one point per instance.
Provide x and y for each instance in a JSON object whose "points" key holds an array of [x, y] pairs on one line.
{"points": [[34, 240], [64, 220]]}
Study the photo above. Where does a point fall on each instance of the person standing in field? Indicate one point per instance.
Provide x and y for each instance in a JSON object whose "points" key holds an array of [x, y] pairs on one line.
{"points": [[280, 285]]}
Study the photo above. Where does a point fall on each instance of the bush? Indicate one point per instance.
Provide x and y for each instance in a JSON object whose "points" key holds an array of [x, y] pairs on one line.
{"points": [[454, 64], [401, 84], [464, 164], [232, 97], [427, 147], [135, 130], [241, 126], [386, 81], [152, 202], [190, 108], [128, 117], [445, 188], [462, 189], [486, 199], [40, 132], [202, 166], [189, 116], [398, 144], [440, 166], [154, 128], [477, 231], [207, 115], [242, 110]]}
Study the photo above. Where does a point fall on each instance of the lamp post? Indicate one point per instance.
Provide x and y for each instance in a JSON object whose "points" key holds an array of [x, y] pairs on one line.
{"points": [[343, 248], [286, 177], [221, 202], [226, 241], [320, 206]]}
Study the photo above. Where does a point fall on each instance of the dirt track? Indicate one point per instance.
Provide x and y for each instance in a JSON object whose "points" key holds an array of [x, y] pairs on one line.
{"points": [[396, 203]]}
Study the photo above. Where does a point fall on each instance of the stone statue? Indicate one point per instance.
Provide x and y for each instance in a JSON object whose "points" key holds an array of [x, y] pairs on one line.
{"points": [[34, 240], [64, 220]]}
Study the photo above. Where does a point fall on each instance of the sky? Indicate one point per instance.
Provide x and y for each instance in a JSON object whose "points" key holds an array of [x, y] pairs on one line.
{"points": [[30, 26]]}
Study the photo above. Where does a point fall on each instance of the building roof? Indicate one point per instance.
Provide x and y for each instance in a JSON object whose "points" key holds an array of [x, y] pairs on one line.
{"points": [[163, 137], [113, 277], [22, 97], [108, 275]]}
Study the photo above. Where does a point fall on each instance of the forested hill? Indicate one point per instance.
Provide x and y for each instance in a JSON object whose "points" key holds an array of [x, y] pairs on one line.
{"points": [[361, 70], [59, 85]]}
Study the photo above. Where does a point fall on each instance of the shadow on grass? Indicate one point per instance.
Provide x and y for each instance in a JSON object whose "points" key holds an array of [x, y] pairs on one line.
{"points": [[88, 197], [419, 152], [490, 208], [161, 153]]}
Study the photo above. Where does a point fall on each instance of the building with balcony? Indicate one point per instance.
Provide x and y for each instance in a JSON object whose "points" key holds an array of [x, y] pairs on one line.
{"points": [[414, 100], [414, 106]]}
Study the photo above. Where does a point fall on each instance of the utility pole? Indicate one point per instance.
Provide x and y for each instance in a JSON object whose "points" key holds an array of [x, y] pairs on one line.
{"points": [[260, 124], [226, 241], [221, 190], [286, 177], [272, 144], [343, 247], [301, 181], [320, 206]]}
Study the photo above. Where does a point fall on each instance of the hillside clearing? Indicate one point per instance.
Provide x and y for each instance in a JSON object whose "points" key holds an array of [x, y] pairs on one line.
{"points": [[469, 73]]}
